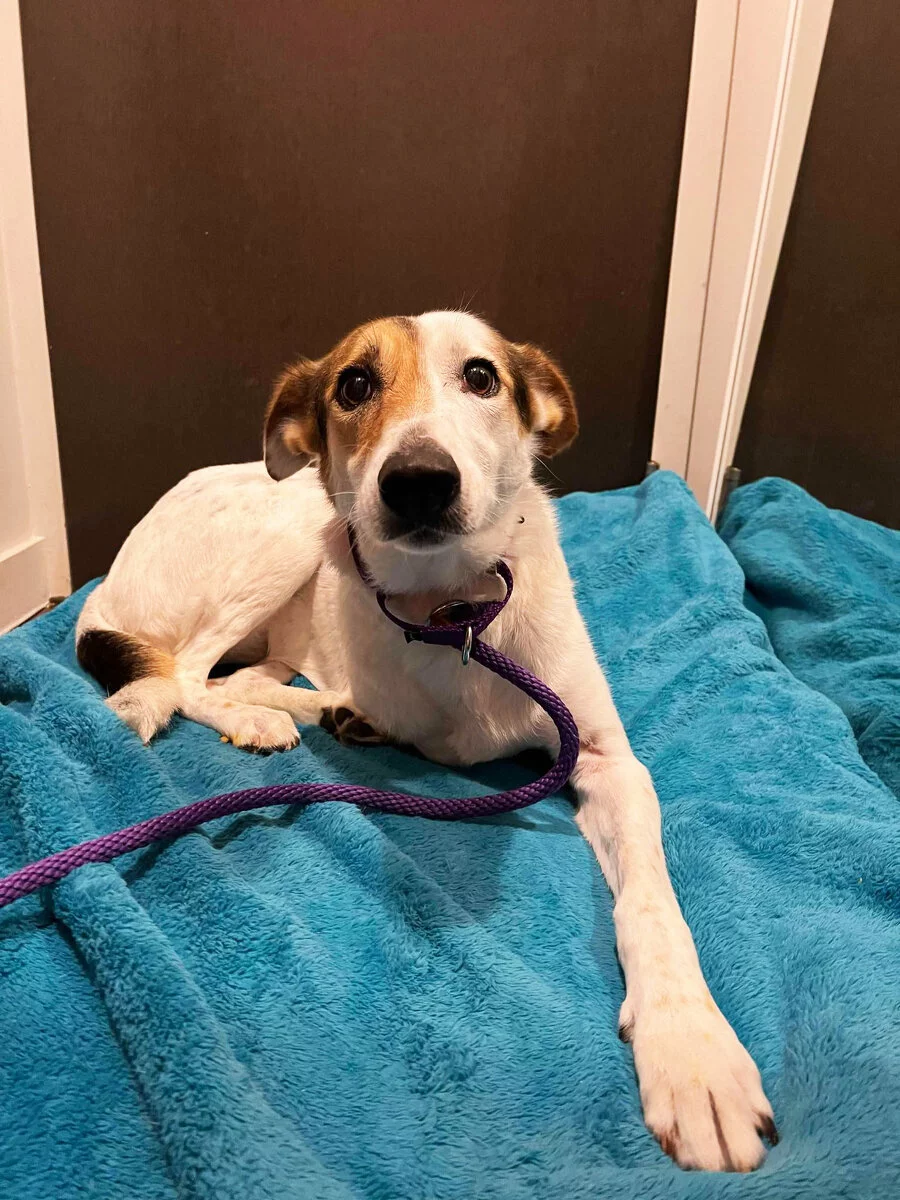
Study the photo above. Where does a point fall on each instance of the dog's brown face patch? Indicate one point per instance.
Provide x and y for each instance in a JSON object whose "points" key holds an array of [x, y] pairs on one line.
{"points": [[385, 356], [344, 400]]}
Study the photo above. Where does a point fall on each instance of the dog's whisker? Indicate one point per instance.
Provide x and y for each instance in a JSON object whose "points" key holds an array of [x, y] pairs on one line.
{"points": [[546, 466]]}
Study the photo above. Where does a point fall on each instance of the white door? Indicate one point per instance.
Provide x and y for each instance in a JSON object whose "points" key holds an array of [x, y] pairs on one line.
{"points": [[34, 563]]}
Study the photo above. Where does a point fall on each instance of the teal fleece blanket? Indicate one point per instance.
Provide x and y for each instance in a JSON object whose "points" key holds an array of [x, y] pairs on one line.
{"points": [[334, 1005], [827, 585]]}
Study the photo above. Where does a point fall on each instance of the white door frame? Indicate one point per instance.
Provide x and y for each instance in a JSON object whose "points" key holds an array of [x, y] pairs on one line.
{"points": [[34, 561], [754, 69]]}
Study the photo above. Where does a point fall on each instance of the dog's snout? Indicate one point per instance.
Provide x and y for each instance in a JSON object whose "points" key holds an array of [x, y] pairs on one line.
{"points": [[419, 484]]}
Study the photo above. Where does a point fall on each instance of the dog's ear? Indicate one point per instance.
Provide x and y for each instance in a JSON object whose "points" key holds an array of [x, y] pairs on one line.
{"points": [[292, 435], [548, 403]]}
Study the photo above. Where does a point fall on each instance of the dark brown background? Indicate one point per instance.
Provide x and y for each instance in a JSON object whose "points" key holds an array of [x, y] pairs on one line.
{"points": [[824, 405], [220, 186]]}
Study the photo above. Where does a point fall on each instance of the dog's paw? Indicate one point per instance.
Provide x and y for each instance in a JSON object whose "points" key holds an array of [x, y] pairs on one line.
{"points": [[701, 1091], [350, 728], [261, 730]]}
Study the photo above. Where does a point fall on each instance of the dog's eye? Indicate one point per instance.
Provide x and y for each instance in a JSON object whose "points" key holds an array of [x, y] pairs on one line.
{"points": [[354, 387], [480, 376]]}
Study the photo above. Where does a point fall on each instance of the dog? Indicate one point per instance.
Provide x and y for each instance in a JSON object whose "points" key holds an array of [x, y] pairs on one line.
{"points": [[421, 433]]}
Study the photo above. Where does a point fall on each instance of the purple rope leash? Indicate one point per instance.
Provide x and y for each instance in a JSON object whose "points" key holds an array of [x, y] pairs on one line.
{"points": [[461, 634]]}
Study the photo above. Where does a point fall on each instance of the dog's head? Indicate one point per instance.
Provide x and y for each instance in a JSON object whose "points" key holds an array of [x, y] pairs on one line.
{"points": [[424, 428]]}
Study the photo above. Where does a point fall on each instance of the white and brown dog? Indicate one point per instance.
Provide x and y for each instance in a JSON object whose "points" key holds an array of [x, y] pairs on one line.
{"points": [[424, 431]]}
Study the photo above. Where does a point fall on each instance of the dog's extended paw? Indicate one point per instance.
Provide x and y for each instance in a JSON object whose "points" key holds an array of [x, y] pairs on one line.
{"points": [[701, 1091], [349, 728], [261, 730]]}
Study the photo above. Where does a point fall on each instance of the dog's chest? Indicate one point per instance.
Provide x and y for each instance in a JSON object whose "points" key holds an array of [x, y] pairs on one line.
{"points": [[426, 696]]}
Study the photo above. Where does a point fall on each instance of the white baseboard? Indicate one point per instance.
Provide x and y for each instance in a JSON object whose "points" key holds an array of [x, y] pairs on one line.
{"points": [[24, 588]]}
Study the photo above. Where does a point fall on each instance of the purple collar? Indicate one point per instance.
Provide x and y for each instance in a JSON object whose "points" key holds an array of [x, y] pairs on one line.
{"points": [[455, 623]]}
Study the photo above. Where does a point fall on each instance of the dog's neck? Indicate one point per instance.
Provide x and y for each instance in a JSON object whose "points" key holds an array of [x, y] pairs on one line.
{"points": [[461, 570]]}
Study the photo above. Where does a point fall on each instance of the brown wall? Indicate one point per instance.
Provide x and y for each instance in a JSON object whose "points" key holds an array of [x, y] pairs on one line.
{"points": [[824, 404], [220, 186]]}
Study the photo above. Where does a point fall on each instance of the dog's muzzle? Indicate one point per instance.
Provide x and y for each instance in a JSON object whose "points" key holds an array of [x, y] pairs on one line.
{"points": [[419, 486]]}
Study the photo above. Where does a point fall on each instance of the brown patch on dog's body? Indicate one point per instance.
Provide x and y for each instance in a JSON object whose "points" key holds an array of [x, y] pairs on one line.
{"points": [[116, 659]]}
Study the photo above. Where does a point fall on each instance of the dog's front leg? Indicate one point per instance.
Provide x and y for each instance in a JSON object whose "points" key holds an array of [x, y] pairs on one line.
{"points": [[701, 1091], [265, 685]]}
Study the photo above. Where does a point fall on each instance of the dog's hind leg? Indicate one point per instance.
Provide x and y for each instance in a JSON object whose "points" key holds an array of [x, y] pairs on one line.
{"points": [[146, 705], [139, 678]]}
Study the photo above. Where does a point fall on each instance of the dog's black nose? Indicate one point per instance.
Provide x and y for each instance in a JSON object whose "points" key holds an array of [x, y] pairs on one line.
{"points": [[419, 484]]}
